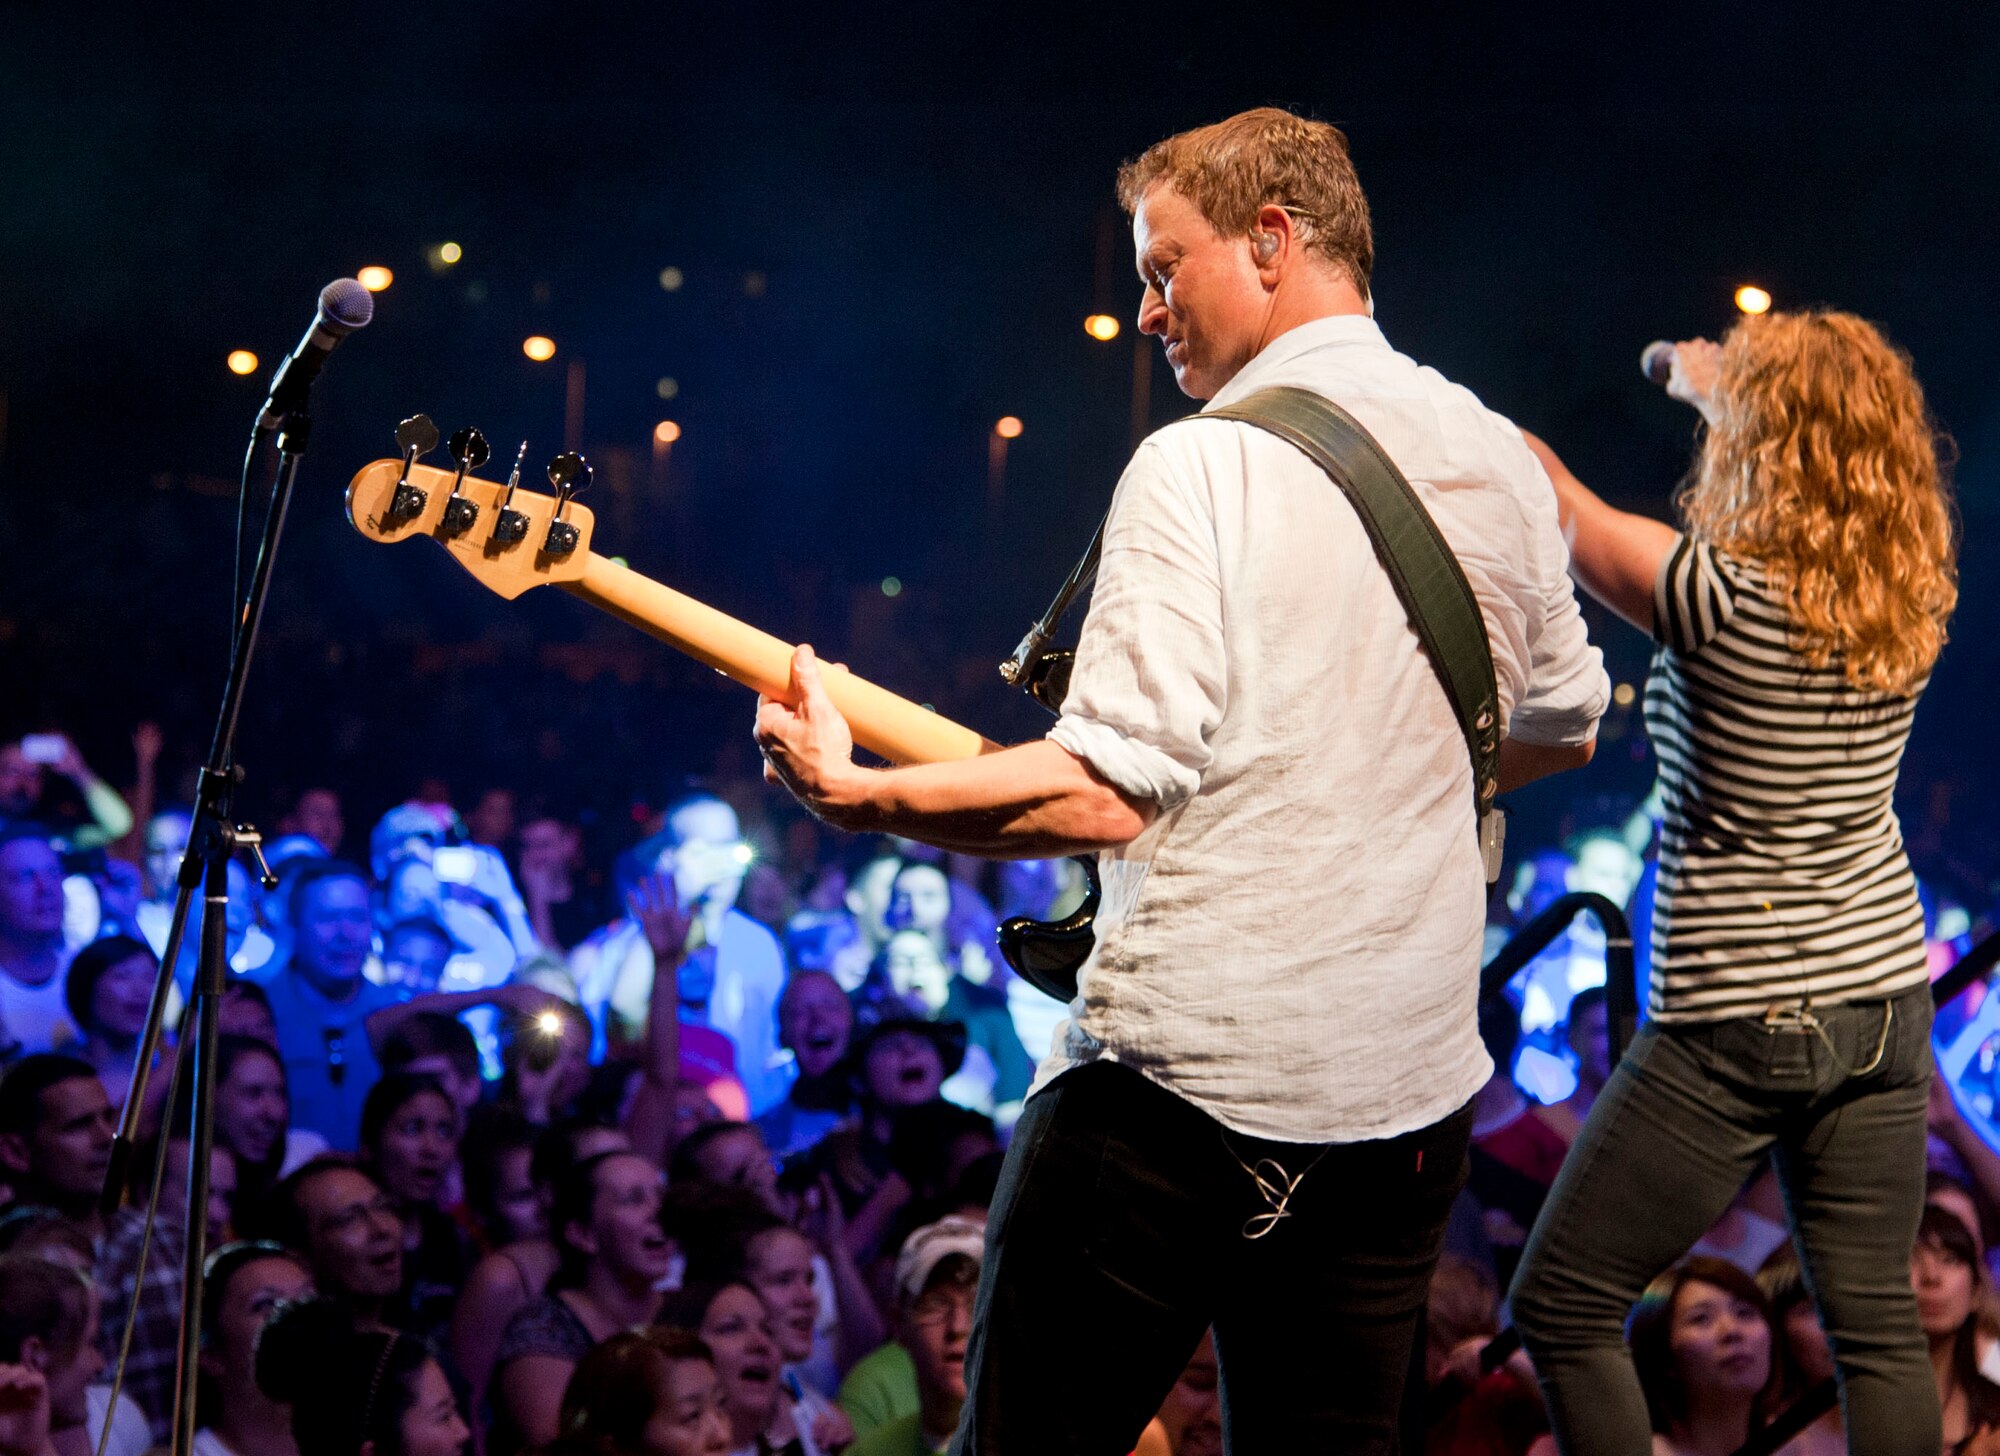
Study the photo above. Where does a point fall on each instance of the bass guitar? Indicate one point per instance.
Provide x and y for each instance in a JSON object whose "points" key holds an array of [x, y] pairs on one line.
{"points": [[513, 539]]}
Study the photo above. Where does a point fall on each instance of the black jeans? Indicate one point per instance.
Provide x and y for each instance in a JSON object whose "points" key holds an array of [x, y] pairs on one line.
{"points": [[1688, 1116], [1118, 1235]]}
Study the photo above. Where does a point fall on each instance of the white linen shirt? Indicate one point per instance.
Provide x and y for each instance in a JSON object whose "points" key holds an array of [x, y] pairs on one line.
{"points": [[1294, 944]]}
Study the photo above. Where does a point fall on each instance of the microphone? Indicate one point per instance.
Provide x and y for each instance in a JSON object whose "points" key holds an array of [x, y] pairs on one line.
{"points": [[1657, 362], [344, 306]]}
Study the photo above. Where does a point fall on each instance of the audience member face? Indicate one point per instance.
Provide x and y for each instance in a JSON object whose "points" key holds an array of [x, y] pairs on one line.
{"points": [[491, 820], [935, 1329], [903, 1069], [1606, 866], [780, 1266], [1946, 1290], [334, 930], [1589, 1036], [549, 847], [919, 899], [1719, 1341], [118, 1004], [246, 1302], [461, 1083], [705, 861], [868, 895], [416, 1147], [65, 1154], [746, 1357], [67, 1381], [1958, 1203], [432, 1425], [354, 1236], [1806, 1338], [242, 1014], [221, 1187], [690, 1414], [252, 1108], [515, 1198], [20, 781], [692, 1108], [31, 898], [413, 892], [624, 1234], [815, 1020], [166, 843], [917, 971], [1192, 1413], [739, 1159], [317, 815], [414, 957], [120, 890]]}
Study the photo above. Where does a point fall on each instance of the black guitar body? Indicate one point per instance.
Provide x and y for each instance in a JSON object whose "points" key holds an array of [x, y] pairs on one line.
{"points": [[1047, 954]]}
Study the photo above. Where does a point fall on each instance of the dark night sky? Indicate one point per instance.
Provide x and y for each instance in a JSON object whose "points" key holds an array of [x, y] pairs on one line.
{"points": [[926, 193]]}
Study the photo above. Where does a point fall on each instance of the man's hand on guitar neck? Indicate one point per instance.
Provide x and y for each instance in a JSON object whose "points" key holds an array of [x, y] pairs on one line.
{"points": [[1033, 801]]}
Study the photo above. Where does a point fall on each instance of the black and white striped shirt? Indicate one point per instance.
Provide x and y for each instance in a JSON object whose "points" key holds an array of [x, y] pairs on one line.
{"points": [[1782, 871]]}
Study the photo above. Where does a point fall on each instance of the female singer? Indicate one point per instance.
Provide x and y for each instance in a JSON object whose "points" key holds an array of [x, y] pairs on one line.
{"points": [[1798, 614]]}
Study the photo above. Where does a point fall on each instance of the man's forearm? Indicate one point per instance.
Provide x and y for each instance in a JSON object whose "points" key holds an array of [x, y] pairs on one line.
{"points": [[1034, 801]]}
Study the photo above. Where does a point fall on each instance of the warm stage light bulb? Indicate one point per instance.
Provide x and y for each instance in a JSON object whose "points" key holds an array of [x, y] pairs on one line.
{"points": [[375, 278], [1007, 427], [242, 361], [1102, 327], [539, 347], [666, 432], [1752, 299]]}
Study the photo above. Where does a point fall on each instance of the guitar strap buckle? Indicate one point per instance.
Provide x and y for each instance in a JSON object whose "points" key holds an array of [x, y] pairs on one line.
{"points": [[1493, 841]]}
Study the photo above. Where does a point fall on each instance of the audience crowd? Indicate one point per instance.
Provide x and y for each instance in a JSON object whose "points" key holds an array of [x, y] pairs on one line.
{"points": [[686, 1146]]}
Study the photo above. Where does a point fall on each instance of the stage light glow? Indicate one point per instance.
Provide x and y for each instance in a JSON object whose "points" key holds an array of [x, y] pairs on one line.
{"points": [[242, 361], [1008, 427], [667, 387], [892, 586], [671, 279], [450, 252], [375, 278], [666, 432], [1624, 695], [1102, 327], [1752, 299], [539, 347], [549, 1023]]}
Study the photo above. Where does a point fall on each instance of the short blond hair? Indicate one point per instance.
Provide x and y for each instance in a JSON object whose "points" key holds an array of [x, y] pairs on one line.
{"points": [[1260, 158]]}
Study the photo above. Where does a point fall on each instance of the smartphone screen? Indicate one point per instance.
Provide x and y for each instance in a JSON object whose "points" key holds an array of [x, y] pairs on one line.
{"points": [[42, 747], [455, 864]]}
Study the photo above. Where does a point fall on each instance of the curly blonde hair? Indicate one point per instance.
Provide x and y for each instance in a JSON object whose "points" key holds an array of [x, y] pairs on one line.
{"points": [[1823, 464]]}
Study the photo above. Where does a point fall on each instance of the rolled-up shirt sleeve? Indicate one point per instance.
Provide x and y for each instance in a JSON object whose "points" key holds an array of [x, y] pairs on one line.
{"points": [[1567, 690], [1151, 681]]}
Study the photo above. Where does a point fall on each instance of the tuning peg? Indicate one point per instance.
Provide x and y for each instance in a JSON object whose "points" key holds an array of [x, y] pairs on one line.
{"points": [[512, 525], [468, 448], [416, 437], [570, 474]]}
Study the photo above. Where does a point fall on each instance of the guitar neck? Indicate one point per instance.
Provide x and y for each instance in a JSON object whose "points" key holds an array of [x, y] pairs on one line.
{"points": [[883, 723]]}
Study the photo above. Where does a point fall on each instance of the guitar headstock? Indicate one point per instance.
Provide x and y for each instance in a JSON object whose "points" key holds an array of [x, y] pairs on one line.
{"points": [[509, 538]]}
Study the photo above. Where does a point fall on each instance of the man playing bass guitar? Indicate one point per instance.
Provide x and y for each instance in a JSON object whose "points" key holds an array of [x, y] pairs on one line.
{"points": [[1258, 1104]]}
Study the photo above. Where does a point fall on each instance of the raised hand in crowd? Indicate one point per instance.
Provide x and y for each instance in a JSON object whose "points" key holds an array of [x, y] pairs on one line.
{"points": [[24, 1412]]}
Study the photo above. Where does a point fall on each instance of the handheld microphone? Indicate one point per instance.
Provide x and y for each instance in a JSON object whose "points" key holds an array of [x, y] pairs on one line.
{"points": [[344, 306], [1657, 362]]}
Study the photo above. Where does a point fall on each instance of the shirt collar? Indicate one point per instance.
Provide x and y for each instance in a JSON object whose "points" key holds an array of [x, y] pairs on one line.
{"points": [[1336, 329]]}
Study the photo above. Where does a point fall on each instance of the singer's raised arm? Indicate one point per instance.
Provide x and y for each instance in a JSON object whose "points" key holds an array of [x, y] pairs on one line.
{"points": [[1615, 555]]}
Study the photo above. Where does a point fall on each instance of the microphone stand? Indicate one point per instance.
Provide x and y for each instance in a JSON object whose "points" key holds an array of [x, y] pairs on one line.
{"points": [[213, 839]]}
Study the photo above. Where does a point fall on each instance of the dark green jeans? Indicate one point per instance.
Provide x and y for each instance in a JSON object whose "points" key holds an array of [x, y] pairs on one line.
{"points": [[1686, 1119]]}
